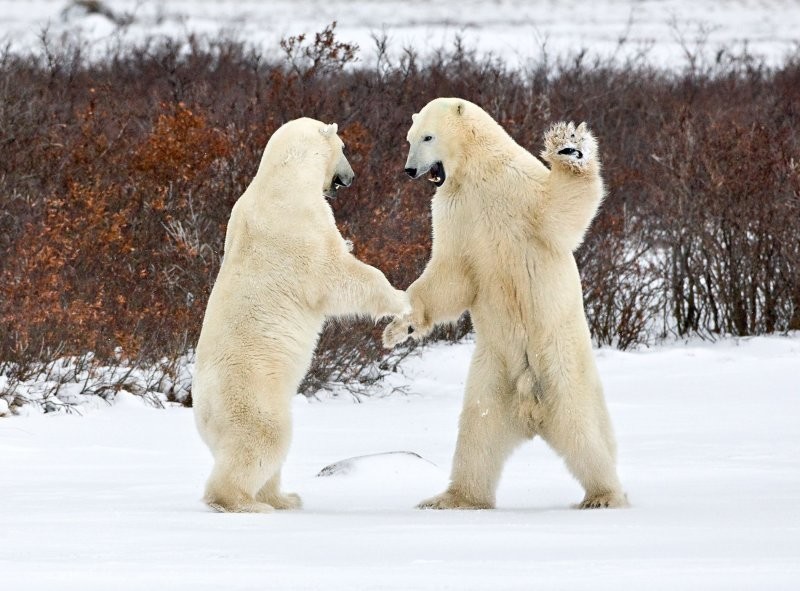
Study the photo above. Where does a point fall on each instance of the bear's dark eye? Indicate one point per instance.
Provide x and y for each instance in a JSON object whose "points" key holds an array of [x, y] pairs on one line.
{"points": [[427, 138]]}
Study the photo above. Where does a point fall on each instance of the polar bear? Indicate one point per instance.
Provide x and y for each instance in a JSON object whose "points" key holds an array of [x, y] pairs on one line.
{"points": [[286, 268], [504, 229]]}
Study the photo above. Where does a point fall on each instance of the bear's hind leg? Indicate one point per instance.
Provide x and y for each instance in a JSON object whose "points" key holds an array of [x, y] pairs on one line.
{"points": [[489, 430], [271, 493], [252, 456], [585, 442]]}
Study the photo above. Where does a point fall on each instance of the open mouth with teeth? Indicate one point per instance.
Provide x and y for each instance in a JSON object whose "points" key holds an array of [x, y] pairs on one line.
{"points": [[336, 184], [436, 174]]}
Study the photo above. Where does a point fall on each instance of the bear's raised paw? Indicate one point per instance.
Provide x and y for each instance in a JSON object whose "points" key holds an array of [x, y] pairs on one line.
{"points": [[569, 146]]}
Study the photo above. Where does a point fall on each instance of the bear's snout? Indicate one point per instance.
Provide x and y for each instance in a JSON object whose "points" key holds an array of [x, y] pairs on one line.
{"points": [[412, 172]]}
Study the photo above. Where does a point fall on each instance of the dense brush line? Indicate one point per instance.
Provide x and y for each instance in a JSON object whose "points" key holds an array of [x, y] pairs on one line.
{"points": [[117, 178]]}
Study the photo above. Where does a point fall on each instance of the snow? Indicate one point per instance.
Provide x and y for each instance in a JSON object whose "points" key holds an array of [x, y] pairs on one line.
{"points": [[74, 384], [516, 30], [708, 438]]}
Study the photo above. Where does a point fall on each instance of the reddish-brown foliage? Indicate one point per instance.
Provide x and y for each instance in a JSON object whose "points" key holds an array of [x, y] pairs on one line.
{"points": [[117, 178]]}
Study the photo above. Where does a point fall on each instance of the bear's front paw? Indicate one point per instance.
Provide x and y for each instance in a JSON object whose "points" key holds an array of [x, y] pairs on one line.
{"points": [[397, 331], [453, 500], [570, 146]]}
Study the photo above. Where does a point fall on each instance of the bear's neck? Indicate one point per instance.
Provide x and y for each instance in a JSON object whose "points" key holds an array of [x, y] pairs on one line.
{"points": [[490, 158], [485, 157]]}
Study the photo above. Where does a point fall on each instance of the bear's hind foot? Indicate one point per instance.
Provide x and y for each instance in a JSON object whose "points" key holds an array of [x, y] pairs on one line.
{"points": [[284, 502], [450, 499], [608, 500], [244, 507], [569, 146], [230, 500]]}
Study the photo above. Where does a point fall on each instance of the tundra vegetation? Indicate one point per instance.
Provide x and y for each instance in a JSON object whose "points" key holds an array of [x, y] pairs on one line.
{"points": [[118, 174]]}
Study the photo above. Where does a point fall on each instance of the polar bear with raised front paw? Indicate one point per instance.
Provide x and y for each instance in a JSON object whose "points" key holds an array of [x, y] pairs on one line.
{"points": [[504, 229], [286, 269]]}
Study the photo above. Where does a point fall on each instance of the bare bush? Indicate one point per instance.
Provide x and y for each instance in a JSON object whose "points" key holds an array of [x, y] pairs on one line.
{"points": [[118, 176]]}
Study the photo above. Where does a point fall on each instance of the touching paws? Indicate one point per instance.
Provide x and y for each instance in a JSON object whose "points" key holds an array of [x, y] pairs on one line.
{"points": [[397, 331], [573, 147]]}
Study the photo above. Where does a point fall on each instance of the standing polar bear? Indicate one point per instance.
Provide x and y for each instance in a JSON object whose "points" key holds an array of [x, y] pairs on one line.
{"points": [[286, 269], [504, 228]]}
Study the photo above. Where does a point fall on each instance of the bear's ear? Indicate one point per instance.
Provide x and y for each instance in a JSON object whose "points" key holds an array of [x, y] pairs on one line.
{"points": [[414, 117], [581, 128], [460, 108], [329, 130]]}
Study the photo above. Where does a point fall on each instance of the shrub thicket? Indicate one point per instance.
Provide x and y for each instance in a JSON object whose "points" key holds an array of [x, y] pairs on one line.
{"points": [[117, 177]]}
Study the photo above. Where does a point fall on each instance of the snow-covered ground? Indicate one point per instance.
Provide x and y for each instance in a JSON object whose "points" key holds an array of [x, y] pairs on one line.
{"points": [[514, 29], [708, 436]]}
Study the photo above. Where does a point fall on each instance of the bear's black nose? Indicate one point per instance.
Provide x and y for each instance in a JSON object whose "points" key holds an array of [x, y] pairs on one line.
{"points": [[412, 172]]}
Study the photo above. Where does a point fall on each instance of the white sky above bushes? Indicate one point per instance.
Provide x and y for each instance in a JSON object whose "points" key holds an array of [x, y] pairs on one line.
{"points": [[515, 30]]}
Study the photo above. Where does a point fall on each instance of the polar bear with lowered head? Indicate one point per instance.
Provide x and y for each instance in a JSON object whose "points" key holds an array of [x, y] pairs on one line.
{"points": [[286, 269], [504, 229]]}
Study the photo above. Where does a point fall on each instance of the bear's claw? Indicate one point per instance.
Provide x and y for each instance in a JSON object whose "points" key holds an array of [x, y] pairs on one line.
{"points": [[603, 501]]}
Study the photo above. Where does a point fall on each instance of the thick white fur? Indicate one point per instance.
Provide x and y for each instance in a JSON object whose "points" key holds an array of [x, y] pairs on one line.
{"points": [[504, 228], [286, 269]]}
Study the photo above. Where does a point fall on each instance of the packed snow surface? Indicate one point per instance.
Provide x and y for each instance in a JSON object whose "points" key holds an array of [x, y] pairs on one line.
{"points": [[515, 30], [708, 453]]}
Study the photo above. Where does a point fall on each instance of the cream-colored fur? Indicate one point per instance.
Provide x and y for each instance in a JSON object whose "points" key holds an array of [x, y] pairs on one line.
{"points": [[504, 228], [286, 269]]}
